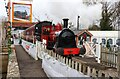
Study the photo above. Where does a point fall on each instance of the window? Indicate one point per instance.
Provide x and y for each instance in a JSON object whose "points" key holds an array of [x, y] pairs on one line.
{"points": [[118, 42], [94, 40], [88, 38], [103, 41], [110, 41]]}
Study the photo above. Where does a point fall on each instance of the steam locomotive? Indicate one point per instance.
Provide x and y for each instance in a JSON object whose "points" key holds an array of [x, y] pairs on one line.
{"points": [[60, 40]]}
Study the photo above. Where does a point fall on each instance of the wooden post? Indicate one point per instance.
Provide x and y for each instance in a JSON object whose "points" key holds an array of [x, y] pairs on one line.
{"points": [[93, 72], [79, 67], [84, 69], [59, 58], [88, 71], [99, 73], [76, 65], [118, 61], [66, 61], [70, 63]]}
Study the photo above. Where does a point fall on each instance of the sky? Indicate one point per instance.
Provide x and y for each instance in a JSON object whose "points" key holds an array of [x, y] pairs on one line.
{"points": [[56, 10], [2, 8]]}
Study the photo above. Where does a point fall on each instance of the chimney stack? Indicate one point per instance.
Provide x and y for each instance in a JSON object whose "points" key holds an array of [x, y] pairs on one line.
{"points": [[65, 23], [78, 23]]}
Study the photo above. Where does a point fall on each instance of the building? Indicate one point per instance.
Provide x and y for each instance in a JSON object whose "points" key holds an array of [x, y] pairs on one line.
{"points": [[99, 37]]}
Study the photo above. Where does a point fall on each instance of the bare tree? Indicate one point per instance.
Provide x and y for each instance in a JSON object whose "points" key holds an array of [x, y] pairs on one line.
{"points": [[116, 16], [110, 16]]}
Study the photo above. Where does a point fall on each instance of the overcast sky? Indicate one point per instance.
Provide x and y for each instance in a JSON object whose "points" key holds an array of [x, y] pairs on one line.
{"points": [[56, 10]]}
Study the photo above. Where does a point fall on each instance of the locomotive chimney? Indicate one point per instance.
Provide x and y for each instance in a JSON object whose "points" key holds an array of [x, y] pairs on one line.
{"points": [[65, 23]]}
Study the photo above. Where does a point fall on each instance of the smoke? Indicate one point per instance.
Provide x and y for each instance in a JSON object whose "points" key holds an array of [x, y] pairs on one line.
{"points": [[57, 10]]}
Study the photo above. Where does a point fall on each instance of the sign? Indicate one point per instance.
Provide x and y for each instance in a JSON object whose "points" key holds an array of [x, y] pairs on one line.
{"points": [[27, 47], [22, 12]]}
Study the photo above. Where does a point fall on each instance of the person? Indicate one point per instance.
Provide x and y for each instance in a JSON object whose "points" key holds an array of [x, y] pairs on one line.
{"points": [[84, 36], [81, 41], [20, 42]]}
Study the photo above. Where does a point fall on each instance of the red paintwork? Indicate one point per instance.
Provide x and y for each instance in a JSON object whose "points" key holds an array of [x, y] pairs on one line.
{"points": [[51, 37], [71, 51], [29, 33]]}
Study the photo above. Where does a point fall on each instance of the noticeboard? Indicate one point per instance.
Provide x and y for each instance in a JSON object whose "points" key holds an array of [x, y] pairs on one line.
{"points": [[21, 12]]}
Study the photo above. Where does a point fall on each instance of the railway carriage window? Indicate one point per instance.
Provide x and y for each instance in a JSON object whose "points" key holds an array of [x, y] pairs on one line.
{"points": [[46, 23], [103, 41], [94, 40], [118, 42], [110, 41]]}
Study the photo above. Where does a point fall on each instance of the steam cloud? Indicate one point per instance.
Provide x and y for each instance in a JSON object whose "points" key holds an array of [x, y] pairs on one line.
{"points": [[57, 10]]}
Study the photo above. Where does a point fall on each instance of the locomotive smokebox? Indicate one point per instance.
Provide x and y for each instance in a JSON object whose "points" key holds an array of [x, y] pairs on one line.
{"points": [[65, 22]]}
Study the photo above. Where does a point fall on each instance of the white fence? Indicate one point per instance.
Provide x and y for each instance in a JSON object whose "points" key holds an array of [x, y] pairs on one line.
{"points": [[77, 66], [30, 48]]}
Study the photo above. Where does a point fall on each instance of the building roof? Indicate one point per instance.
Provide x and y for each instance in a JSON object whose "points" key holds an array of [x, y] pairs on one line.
{"points": [[22, 24], [80, 32]]}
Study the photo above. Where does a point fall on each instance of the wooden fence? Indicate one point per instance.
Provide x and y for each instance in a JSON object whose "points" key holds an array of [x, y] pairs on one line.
{"points": [[79, 65], [109, 56], [118, 65]]}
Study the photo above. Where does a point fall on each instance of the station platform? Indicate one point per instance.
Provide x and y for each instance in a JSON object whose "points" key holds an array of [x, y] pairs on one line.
{"points": [[28, 67]]}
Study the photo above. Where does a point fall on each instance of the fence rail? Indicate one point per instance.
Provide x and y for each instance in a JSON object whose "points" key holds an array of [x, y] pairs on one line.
{"points": [[78, 65]]}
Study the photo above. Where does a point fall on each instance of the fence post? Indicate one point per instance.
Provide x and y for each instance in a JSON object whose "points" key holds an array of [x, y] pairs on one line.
{"points": [[76, 65], [66, 61], [118, 61], [93, 72], [79, 67], [88, 71], [99, 73], [84, 68], [70, 63]]}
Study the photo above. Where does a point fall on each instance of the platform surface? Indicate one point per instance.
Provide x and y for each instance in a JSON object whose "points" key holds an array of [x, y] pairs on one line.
{"points": [[28, 67]]}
